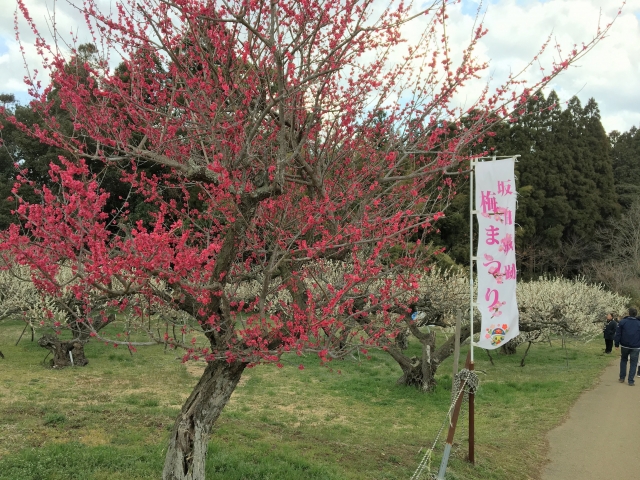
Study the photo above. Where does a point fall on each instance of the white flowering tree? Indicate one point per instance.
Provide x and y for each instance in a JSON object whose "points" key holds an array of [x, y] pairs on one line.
{"points": [[552, 306], [440, 293], [21, 297], [574, 306], [83, 317], [549, 306]]}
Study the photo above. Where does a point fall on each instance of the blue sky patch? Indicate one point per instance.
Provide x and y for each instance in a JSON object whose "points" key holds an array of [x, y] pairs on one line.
{"points": [[469, 7], [3, 46], [22, 98]]}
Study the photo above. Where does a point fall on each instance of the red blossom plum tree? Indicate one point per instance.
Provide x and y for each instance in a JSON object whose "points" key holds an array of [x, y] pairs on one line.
{"points": [[284, 135]]}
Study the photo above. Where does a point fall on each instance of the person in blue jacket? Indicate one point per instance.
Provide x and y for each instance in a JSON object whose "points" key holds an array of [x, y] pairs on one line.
{"points": [[628, 337]]}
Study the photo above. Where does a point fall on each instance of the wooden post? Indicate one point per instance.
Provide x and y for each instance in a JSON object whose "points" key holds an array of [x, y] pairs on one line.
{"points": [[456, 348], [20, 337], [452, 428], [472, 426]]}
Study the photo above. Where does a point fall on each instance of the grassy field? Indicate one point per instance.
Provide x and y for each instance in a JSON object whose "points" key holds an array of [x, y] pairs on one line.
{"points": [[110, 419]]}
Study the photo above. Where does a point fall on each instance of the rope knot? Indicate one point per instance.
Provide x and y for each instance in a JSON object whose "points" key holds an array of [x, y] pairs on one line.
{"points": [[470, 380]]}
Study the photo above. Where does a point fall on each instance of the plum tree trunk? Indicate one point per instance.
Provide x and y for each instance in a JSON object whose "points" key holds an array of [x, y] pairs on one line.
{"points": [[421, 372], [66, 353], [186, 455], [402, 339], [70, 353], [418, 372], [510, 348]]}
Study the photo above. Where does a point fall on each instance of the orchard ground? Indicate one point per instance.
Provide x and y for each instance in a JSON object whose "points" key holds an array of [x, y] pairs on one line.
{"points": [[110, 419]]}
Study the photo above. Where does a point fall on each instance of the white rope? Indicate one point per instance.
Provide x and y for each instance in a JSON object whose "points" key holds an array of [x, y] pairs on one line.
{"points": [[464, 381], [470, 380]]}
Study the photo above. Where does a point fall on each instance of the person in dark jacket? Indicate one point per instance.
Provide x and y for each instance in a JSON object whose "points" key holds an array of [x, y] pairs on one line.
{"points": [[609, 331], [628, 337]]}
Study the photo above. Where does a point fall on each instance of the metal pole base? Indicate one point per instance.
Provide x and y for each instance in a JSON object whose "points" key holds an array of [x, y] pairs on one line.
{"points": [[445, 461]]}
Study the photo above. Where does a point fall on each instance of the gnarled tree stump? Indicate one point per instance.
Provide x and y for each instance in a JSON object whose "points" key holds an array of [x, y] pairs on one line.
{"points": [[66, 353], [510, 348]]}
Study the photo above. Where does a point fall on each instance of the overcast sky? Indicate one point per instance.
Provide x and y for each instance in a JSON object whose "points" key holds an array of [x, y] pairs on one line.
{"points": [[517, 29]]}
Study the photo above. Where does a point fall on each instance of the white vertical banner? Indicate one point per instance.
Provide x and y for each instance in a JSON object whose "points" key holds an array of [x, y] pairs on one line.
{"points": [[495, 195]]}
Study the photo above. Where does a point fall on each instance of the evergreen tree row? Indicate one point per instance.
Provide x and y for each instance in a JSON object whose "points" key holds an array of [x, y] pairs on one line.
{"points": [[625, 155]]}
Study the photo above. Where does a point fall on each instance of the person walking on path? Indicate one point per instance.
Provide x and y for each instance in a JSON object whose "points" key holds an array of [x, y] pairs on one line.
{"points": [[609, 331], [628, 337]]}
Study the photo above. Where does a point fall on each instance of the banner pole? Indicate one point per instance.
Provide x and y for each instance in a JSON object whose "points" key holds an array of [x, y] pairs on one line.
{"points": [[472, 458], [471, 257], [452, 428], [472, 423]]}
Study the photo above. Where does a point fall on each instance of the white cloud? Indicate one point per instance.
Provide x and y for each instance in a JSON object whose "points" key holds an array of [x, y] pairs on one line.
{"points": [[610, 73], [49, 16]]}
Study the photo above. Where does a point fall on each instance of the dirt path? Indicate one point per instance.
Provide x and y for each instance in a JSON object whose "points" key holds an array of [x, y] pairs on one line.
{"points": [[599, 439]]}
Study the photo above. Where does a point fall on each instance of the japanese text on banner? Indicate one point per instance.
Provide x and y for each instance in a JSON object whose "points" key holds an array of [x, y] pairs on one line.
{"points": [[496, 258]]}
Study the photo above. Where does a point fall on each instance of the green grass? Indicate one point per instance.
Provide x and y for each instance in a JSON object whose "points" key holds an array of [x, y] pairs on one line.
{"points": [[110, 420]]}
